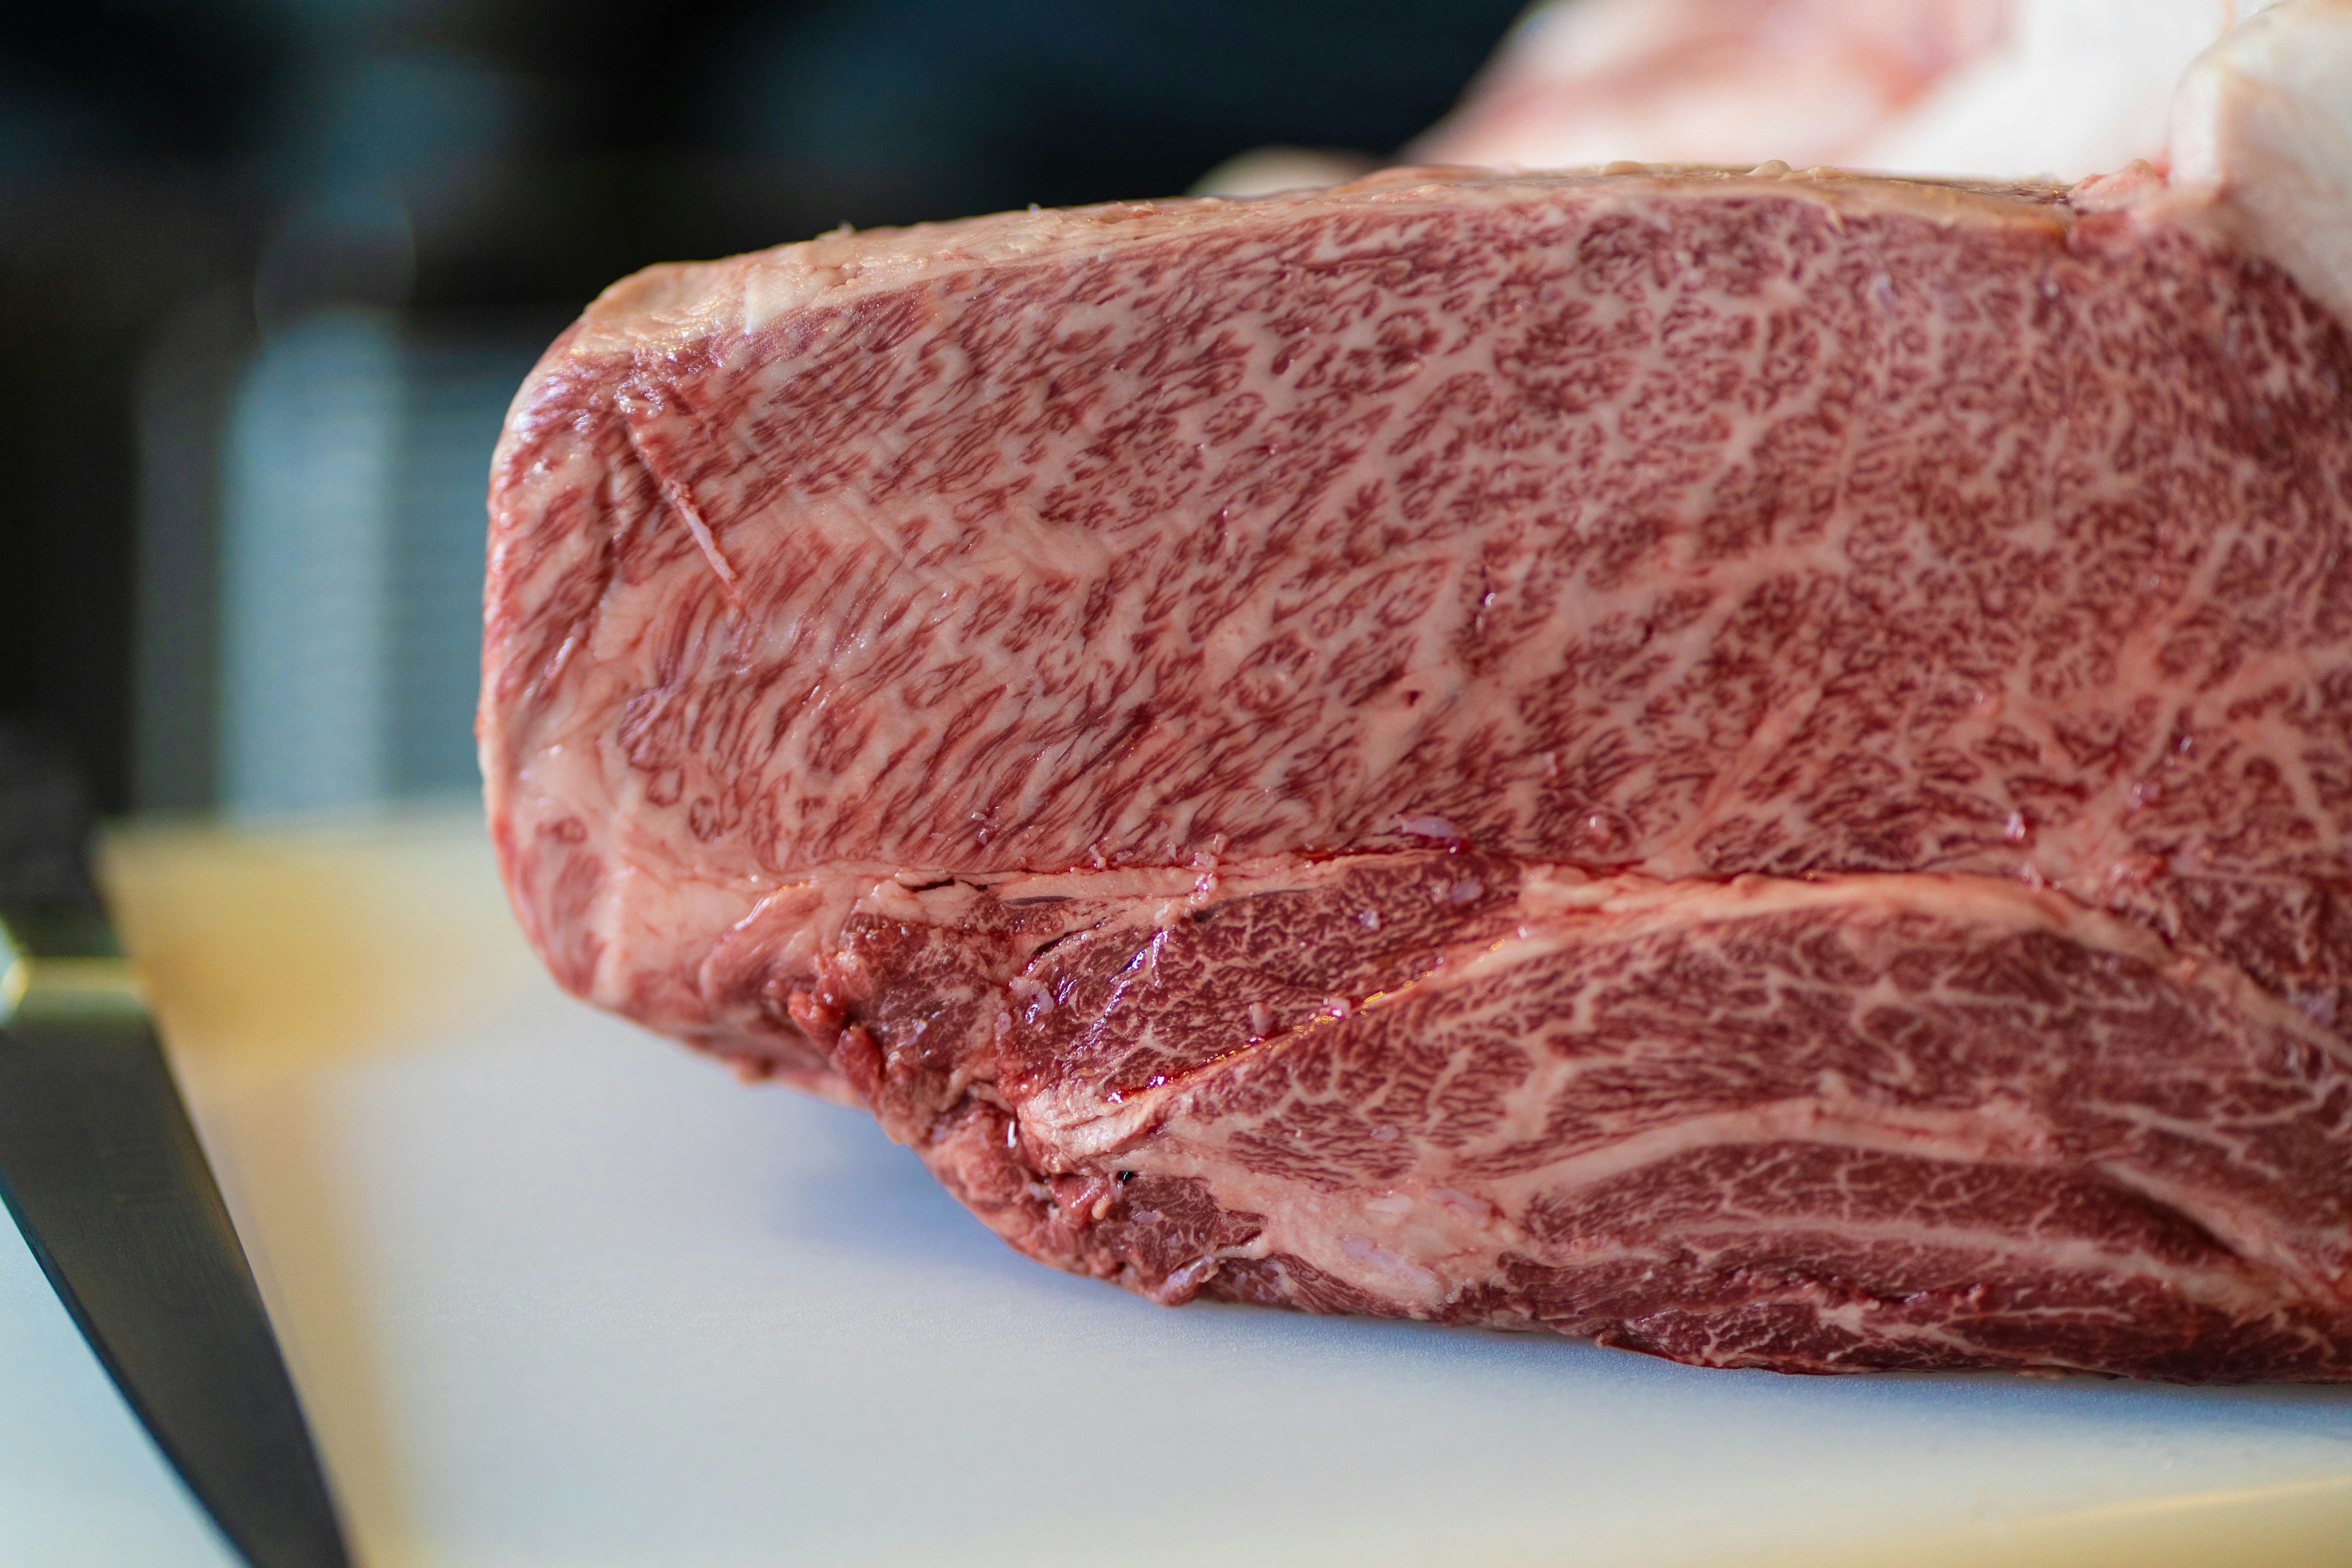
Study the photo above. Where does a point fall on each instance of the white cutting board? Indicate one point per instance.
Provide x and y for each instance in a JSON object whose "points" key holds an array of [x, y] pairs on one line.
{"points": [[559, 1293]]}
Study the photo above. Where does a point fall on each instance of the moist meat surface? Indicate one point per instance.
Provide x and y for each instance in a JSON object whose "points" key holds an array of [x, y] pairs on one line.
{"points": [[1755, 767]]}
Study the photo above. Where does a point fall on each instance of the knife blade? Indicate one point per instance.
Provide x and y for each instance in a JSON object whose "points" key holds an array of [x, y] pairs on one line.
{"points": [[101, 1170]]}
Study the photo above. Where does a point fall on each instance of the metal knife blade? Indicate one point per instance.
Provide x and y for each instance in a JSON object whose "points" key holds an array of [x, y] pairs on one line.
{"points": [[102, 1172]]}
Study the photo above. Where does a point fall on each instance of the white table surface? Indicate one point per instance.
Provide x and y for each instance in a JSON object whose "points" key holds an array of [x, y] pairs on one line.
{"points": [[560, 1293]]}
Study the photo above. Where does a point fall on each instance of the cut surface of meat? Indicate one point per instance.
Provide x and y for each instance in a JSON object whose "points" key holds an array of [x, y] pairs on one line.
{"points": [[1754, 766]]}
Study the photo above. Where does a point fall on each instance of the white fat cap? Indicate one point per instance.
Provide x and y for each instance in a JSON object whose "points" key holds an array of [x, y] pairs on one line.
{"points": [[2261, 139], [2074, 87]]}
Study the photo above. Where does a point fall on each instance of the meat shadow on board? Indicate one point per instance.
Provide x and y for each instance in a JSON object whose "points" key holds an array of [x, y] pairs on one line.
{"points": [[866, 1194]]}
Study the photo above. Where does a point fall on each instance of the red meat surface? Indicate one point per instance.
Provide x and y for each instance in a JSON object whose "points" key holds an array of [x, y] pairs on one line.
{"points": [[1755, 767]]}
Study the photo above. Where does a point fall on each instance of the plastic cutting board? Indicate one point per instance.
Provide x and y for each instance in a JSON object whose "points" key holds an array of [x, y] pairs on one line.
{"points": [[559, 1293]]}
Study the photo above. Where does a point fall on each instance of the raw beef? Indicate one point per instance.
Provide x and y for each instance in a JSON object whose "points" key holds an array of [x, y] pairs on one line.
{"points": [[1754, 766]]}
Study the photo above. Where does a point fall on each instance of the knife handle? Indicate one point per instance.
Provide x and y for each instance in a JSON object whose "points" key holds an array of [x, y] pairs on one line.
{"points": [[33, 987], [50, 910], [58, 957]]}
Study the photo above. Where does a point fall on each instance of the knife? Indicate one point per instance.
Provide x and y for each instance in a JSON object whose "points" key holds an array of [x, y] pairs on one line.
{"points": [[101, 1170]]}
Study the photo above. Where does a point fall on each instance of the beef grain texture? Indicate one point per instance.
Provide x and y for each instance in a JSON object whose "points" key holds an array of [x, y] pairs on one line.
{"points": [[1756, 768]]}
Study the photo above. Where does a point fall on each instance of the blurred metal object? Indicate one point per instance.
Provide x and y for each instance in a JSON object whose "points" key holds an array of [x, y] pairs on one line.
{"points": [[349, 573], [101, 1170]]}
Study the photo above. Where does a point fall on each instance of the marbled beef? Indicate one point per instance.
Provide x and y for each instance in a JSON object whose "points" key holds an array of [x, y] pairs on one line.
{"points": [[1757, 767]]}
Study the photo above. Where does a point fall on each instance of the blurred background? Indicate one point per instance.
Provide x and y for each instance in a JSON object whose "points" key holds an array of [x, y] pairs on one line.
{"points": [[270, 270]]}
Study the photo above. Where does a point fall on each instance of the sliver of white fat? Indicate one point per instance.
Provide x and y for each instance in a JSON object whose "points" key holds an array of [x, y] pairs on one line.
{"points": [[2260, 123], [2262, 143], [2074, 88]]}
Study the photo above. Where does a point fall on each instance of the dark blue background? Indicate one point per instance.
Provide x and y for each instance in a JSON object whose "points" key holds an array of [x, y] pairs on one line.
{"points": [[195, 173]]}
